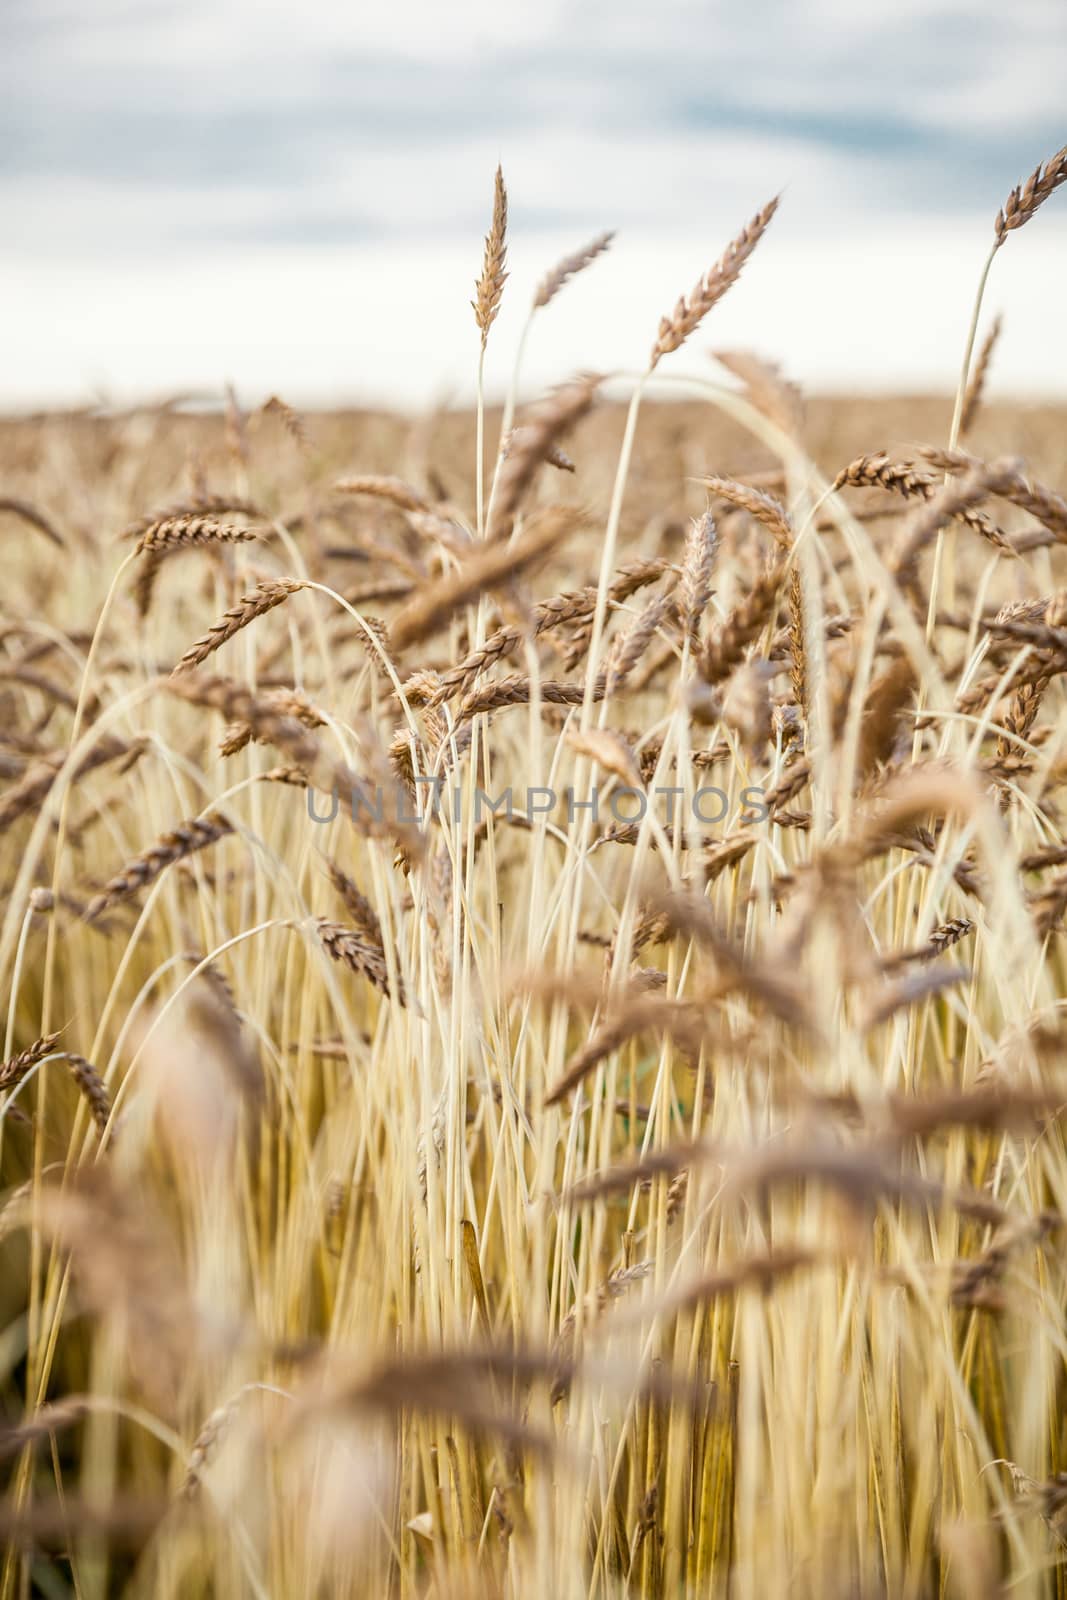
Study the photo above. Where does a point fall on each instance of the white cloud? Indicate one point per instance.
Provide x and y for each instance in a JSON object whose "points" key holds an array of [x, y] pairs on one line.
{"points": [[881, 309]]}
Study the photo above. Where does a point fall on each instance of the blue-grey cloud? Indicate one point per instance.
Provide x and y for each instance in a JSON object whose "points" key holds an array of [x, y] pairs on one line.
{"points": [[865, 85]]}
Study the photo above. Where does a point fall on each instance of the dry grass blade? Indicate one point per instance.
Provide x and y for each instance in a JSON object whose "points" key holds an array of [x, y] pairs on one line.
{"points": [[262, 599], [691, 311], [490, 286], [473, 1265], [183, 841]]}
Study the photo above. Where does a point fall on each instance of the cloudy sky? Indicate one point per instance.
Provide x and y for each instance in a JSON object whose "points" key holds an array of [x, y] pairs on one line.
{"points": [[294, 196]]}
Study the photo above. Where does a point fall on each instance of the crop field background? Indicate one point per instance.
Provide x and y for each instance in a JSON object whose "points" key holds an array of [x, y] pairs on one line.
{"points": [[532, 970]]}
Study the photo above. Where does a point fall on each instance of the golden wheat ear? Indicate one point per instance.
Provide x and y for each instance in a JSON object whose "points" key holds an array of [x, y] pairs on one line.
{"points": [[1027, 198], [691, 309], [490, 286], [564, 270]]}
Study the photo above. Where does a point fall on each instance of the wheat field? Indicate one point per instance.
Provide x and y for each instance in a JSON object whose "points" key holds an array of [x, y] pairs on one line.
{"points": [[533, 1056]]}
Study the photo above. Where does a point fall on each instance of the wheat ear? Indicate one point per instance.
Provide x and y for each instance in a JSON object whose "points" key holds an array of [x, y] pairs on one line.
{"points": [[553, 281], [262, 599], [490, 286], [180, 842], [691, 311], [1027, 198], [972, 400]]}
